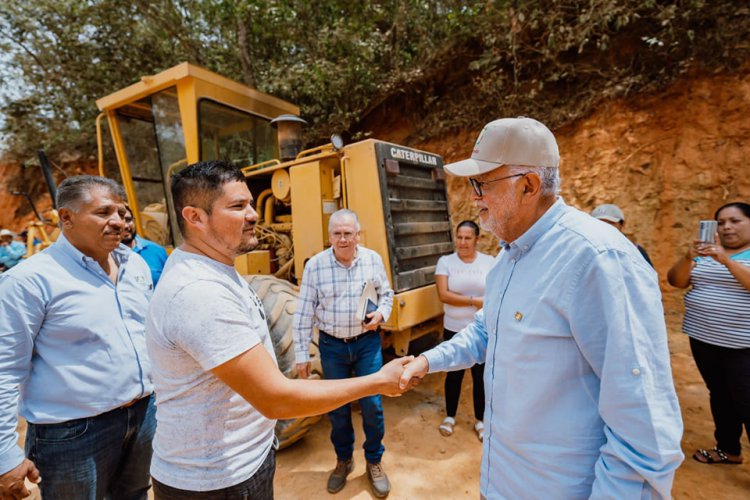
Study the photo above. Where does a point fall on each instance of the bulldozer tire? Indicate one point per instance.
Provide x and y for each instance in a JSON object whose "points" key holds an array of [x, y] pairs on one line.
{"points": [[279, 299]]}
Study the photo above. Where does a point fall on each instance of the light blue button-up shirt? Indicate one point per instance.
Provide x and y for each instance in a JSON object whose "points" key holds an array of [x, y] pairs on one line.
{"points": [[579, 391], [72, 343]]}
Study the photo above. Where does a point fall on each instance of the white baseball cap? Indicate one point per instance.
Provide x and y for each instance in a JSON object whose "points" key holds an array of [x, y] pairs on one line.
{"points": [[6, 232], [509, 141], [612, 213]]}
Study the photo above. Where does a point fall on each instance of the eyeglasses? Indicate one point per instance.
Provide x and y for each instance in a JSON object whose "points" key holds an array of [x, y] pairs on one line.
{"points": [[477, 185], [343, 236]]}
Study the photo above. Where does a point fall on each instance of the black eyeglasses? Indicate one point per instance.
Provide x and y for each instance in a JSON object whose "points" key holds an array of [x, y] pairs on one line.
{"points": [[477, 185]]}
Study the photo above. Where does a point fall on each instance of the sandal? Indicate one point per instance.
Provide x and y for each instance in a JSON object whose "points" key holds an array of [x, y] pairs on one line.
{"points": [[716, 456], [446, 428], [479, 429]]}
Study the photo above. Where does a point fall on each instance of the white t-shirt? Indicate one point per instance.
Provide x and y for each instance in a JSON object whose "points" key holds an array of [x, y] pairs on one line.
{"points": [[465, 279], [202, 315]]}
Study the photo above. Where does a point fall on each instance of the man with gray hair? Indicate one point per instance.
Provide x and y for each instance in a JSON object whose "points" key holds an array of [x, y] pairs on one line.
{"points": [[581, 402], [332, 284], [72, 346]]}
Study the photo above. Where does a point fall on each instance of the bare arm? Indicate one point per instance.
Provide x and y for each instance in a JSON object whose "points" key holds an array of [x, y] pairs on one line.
{"points": [[739, 271], [255, 377], [679, 275], [453, 298], [717, 252]]}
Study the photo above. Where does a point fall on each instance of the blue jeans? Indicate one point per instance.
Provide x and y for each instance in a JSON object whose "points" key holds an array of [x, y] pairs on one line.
{"points": [[342, 360], [106, 456], [259, 486]]}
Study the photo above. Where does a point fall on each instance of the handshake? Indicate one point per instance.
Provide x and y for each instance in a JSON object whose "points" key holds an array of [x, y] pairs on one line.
{"points": [[393, 379], [401, 374]]}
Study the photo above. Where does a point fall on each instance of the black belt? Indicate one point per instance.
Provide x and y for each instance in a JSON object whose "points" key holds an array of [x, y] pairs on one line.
{"points": [[349, 340]]}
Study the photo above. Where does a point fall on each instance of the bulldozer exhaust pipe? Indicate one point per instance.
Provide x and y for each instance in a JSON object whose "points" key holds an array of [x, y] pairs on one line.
{"points": [[47, 171]]}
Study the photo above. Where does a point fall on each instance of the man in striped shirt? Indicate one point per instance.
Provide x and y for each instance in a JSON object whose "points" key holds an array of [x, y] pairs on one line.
{"points": [[332, 284]]}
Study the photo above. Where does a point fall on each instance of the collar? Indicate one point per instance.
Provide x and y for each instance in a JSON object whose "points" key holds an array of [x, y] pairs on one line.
{"points": [[139, 243], [527, 240], [120, 254]]}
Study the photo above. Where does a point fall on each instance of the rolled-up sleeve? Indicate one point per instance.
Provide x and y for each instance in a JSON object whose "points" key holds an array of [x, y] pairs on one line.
{"points": [[620, 331], [385, 292], [22, 310], [466, 349]]}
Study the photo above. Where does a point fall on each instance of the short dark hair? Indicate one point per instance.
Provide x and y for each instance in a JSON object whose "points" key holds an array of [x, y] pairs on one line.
{"points": [[469, 223], [200, 184], [73, 190], [743, 207]]}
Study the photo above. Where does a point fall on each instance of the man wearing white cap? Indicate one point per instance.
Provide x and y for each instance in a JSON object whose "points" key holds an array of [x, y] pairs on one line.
{"points": [[614, 216], [580, 398]]}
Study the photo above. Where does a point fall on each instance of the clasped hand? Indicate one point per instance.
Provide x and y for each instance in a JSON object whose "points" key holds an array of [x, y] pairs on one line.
{"points": [[403, 374], [714, 250]]}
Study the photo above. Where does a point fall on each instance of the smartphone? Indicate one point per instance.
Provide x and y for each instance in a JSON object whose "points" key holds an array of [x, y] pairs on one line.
{"points": [[707, 231]]}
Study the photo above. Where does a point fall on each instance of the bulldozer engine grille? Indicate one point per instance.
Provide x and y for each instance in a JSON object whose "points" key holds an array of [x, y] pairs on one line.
{"points": [[415, 206]]}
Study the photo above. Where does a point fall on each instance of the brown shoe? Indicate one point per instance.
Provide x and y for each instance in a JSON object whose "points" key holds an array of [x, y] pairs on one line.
{"points": [[337, 479], [378, 480]]}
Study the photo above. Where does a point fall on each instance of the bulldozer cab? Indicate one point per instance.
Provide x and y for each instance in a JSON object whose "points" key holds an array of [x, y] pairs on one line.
{"points": [[185, 114], [188, 114]]}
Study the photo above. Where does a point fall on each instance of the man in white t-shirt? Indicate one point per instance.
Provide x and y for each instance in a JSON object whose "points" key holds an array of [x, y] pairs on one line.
{"points": [[217, 382]]}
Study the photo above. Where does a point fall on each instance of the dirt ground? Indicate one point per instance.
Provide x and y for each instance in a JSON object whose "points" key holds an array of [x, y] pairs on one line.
{"points": [[423, 464]]}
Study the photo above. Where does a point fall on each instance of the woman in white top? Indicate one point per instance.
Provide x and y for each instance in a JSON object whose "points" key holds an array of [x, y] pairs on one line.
{"points": [[460, 283]]}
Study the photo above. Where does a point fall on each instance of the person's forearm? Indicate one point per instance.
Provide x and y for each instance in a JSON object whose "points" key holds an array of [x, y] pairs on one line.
{"points": [[302, 398], [679, 275], [739, 271], [458, 300]]}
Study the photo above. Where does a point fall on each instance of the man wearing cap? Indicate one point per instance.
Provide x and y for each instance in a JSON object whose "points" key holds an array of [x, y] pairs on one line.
{"points": [[580, 398], [11, 251], [614, 216]]}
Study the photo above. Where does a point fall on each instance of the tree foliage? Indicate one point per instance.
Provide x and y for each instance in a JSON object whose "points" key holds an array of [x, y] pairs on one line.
{"points": [[448, 63]]}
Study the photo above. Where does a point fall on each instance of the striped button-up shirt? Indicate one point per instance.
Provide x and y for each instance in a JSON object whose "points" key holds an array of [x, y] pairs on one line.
{"points": [[329, 297]]}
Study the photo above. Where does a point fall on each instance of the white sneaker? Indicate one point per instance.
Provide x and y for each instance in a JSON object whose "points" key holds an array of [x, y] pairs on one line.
{"points": [[446, 428], [479, 429]]}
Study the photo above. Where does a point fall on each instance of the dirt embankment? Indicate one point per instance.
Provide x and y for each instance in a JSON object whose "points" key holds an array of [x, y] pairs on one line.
{"points": [[668, 160]]}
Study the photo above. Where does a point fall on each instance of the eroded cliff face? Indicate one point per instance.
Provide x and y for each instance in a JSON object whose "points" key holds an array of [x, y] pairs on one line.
{"points": [[668, 160]]}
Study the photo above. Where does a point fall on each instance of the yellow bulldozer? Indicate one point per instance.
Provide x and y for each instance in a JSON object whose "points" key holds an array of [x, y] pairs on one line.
{"points": [[153, 128]]}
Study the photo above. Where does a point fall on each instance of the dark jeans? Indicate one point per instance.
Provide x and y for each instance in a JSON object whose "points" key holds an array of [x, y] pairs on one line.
{"points": [[258, 487], [342, 360], [108, 455], [727, 376], [453, 382]]}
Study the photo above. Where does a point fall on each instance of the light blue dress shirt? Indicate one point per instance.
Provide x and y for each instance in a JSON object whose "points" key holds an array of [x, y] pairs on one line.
{"points": [[72, 343], [579, 391]]}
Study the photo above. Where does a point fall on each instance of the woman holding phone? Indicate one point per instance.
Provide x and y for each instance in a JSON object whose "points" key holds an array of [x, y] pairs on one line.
{"points": [[460, 283], [717, 320]]}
